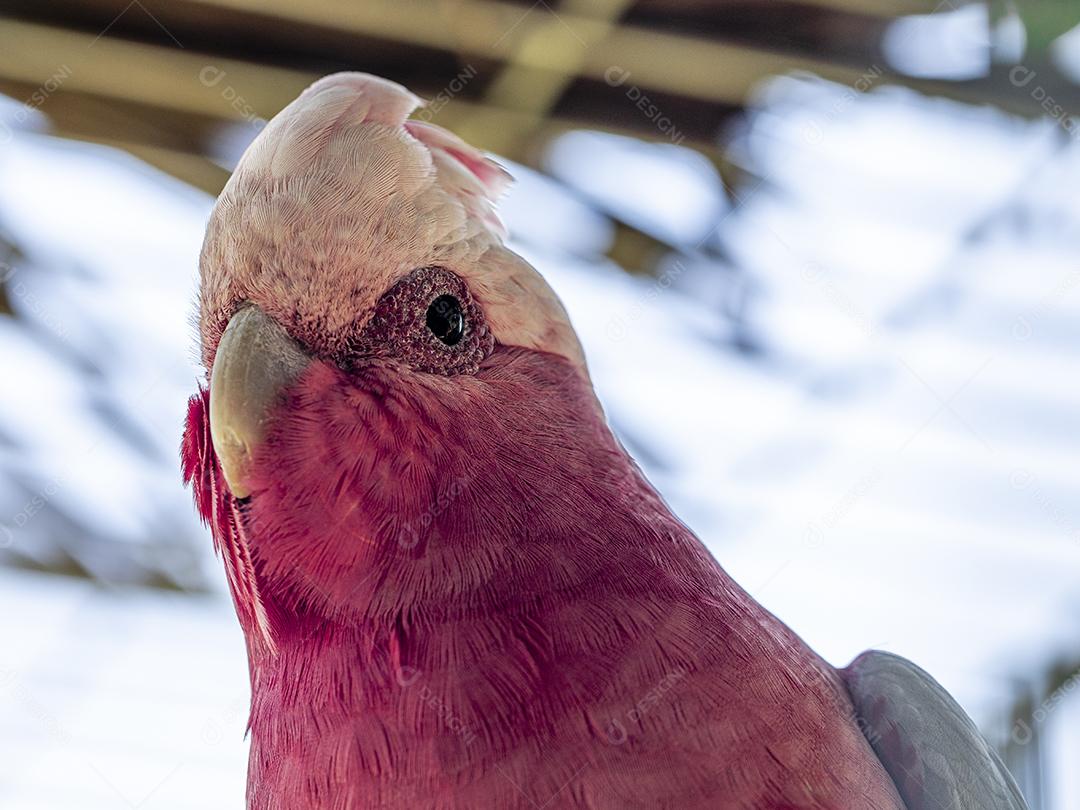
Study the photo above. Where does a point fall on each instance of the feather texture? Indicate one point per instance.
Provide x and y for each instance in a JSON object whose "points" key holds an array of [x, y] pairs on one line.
{"points": [[933, 751], [220, 510], [478, 601]]}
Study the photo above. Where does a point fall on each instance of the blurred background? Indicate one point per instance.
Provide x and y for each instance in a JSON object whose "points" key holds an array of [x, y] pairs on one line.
{"points": [[823, 255]]}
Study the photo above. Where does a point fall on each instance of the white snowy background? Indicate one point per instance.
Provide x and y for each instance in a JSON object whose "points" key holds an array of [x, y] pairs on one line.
{"points": [[856, 379]]}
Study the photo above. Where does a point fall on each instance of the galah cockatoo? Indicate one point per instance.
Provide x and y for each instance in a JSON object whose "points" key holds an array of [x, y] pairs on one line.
{"points": [[456, 587]]}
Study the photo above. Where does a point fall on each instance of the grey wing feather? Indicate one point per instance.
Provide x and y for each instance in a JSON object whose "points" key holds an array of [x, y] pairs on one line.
{"points": [[927, 743]]}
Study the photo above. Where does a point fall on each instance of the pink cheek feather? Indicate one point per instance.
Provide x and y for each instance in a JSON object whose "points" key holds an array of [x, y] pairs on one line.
{"points": [[222, 514], [386, 487]]}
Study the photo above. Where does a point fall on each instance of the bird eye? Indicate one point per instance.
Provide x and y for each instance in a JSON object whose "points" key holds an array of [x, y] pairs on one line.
{"points": [[446, 320], [430, 320]]}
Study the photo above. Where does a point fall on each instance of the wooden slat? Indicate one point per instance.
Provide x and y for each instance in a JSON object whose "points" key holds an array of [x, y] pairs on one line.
{"points": [[877, 8], [523, 87], [195, 170], [868, 8], [168, 78], [701, 68]]}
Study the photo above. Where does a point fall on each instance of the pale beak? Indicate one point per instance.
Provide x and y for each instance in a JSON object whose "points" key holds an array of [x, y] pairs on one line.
{"points": [[256, 361]]}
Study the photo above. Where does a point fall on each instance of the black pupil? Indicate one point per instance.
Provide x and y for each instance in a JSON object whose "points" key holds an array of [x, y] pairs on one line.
{"points": [[445, 319]]}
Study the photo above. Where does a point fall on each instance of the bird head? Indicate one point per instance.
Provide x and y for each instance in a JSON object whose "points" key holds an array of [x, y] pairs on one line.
{"points": [[338, 200], [388, 381]]}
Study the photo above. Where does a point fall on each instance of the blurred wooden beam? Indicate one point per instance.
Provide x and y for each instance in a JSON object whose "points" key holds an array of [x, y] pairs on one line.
{"points": [[203, 85], [622, 57], [195, 170], [110, 118], [522, 87], [10, 255], [165, 77], [162, 138], [878, 8], [496, 30], [708, 69]]}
